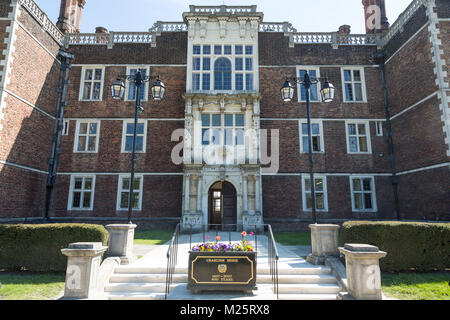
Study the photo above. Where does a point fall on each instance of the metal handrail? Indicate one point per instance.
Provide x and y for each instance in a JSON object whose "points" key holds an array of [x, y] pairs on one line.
{"points": [[172, 256], [273, 260]]}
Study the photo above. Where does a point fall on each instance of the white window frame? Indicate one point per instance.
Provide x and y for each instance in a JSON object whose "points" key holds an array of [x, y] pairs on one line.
{"points": [[83, 75], [368, 136], [379, 128], [77, 135], [373, 192], [120, 190], [325, 192], [66, 127], [72, 190], [222, 128], [146, 84], [308, 69], [213, 57], [322, 144], [124, 135], [363, 84]]}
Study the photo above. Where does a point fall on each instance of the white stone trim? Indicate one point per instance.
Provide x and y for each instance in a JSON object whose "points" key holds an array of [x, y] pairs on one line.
{"points": [[121, 173], [6, 163], [8, 53], [440, 64], [122, 119], [322, 119], [71, 190], [119, 190], [373, 193], [447, 164], [29, 103], [124, 135], [414, 105], [324, 192]]}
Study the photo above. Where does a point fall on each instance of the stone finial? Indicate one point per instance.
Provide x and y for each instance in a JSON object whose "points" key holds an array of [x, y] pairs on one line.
{"points": [[345, 29], [101, 30]]}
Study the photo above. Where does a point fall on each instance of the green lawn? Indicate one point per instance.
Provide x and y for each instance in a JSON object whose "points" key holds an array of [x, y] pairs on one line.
{"points": [[152, 237], [31, 286], [293, 238], [417, 286]]}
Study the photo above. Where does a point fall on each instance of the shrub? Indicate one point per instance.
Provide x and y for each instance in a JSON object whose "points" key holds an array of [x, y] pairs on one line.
{"points": [[38, 247], [409, 245]]}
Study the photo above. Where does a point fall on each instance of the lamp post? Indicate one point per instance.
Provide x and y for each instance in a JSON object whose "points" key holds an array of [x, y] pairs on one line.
{"points": [[118, 91], [327, 94]]}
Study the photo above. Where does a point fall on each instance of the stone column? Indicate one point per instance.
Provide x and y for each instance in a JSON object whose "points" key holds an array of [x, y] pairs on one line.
{"points": [[83, 267], [120, 242], [324, 242], [258, 191], [245, 193], [199, 194], [363, 272], [187, 193]]}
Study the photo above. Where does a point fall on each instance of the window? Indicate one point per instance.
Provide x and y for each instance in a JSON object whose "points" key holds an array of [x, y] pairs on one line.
{"points": [[65, 130], [315, 88], [81, 194], [320, 191], [354, 85], [124, 192], [222, 68], [222, 74], [131, 86], [358, 137], [91, 84], [363, 194], [229, 126], [86, 137], [316, 136], [379, 125], [243, 68], [128, 133]]}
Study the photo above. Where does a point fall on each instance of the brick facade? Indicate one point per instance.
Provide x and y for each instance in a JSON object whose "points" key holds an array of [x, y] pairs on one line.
{"points": [[413, 91]]}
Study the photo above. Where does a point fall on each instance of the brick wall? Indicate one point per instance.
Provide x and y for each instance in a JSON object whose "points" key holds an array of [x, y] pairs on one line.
{"points": [[26, 135], [161, 198]]}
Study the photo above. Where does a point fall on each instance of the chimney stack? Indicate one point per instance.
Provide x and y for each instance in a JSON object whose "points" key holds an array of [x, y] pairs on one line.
{"points": [[70, 15], [345, 29], [101, 30], [375, 16]]}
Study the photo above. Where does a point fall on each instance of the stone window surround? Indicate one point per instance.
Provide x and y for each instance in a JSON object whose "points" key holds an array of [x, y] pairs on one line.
{"points": [[368, 135], [124, 135], [372, 192], [102, 81], [324, 192], [72, 189], [120, 190], [77, 135], [213, 57]]}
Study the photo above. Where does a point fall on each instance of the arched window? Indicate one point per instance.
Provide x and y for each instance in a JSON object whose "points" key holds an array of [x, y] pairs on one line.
{"points": [[222, 74]]}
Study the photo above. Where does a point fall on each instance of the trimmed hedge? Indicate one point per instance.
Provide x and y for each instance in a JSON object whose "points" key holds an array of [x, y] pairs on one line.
{"points": [[409, 245], [38, 247]]}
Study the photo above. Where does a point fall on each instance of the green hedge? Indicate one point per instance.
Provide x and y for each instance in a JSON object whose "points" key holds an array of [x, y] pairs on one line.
{"points": [[38, 247], [409, 245]]}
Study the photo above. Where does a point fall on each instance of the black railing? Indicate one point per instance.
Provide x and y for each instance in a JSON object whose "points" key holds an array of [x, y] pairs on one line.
{"points": [[273, 258], [172, 255]]}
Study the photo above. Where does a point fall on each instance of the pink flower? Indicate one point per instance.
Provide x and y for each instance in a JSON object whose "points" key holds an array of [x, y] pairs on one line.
{"points": [[251, 233], [207, 238]]}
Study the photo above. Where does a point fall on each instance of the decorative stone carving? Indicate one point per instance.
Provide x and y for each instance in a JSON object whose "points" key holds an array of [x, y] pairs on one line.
{"points": [[243, 104], [222, 104], [201, 104], [191, 27], [189, 106], [242, 27], [254, 28], [203, 28], [223, 27]]}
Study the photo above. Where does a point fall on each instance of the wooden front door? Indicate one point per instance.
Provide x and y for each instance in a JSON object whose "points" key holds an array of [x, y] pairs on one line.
{"points": [[222, 205]]}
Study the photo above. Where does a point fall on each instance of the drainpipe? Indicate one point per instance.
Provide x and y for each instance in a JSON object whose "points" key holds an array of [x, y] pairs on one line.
{"points": [[66, 59], [380, 58]]}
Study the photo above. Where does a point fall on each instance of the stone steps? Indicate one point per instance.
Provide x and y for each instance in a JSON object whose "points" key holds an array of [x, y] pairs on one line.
{"points": [[305, 282]]}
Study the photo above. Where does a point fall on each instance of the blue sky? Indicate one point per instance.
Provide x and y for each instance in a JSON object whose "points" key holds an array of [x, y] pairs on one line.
{"points": [[305, 15]]}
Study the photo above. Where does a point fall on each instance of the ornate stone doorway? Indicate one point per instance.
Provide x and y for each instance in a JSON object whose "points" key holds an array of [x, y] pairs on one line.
{"points": [[222, 205]]}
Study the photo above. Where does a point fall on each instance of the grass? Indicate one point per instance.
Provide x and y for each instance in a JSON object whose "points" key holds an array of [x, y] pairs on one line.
{"points": [[417, 286], [293, 238], [152, 237], [31, 286]]}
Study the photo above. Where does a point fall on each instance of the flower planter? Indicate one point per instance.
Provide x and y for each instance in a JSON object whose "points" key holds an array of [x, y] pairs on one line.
{"points": [[222, 271]]}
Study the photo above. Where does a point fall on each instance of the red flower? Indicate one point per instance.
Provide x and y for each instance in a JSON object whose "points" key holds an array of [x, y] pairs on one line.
{"points": [[244, 233], [217, 238]]}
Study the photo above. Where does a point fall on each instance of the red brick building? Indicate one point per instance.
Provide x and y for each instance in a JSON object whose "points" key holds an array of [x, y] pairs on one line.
{"points": [[381, 149]]}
